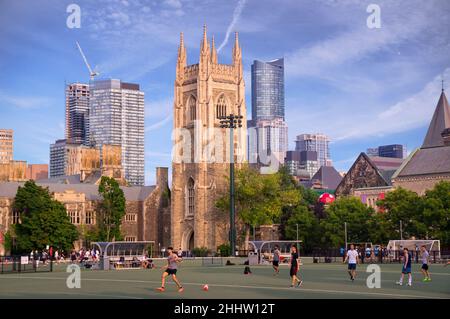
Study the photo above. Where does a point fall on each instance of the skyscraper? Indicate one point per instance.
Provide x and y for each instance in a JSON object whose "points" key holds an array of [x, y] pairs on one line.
{"points": [[268, 133], [117, 117], [266, 138], [6, 146], [77, 113], [267, 90], [315, 142]]}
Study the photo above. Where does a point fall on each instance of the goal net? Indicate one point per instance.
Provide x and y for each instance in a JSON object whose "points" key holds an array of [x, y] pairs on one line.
{"points": [[432, 245]]}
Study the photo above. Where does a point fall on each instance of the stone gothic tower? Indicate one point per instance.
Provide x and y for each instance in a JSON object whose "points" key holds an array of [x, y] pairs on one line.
{"points": [[201, 154]]}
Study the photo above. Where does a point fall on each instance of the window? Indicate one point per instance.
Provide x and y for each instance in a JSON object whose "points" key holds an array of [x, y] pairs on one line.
{"points": [[192, 109], [15, 217], [130, 238], [130, 217], [191, 197], [221, 107], [90, 217], [74, 217]]}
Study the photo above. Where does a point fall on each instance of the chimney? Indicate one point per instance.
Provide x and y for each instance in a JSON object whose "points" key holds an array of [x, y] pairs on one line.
{"points": [[162, 177], [446, 136]]}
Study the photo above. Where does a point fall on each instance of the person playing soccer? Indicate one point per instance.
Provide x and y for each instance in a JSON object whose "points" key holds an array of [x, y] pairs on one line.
{"points": [[406, 267], [425, 257], [171, 270], [276, 260], [294, 267], [352, 257]]}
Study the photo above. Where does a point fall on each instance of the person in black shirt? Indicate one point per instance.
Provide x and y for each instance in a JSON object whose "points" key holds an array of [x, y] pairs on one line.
{"points": [[294, 267]]}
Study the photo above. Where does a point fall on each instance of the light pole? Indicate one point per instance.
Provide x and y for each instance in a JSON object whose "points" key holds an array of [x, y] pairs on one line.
{"points": [[232, 121], [297, 232], [401, 230], [345, 227]]}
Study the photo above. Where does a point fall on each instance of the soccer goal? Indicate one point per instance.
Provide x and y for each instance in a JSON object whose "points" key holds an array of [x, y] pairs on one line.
{"points": [[433, 246], [264, 249]]}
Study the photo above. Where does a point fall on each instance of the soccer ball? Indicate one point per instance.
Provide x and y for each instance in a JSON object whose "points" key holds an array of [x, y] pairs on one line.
{"points": [[205, 287]]}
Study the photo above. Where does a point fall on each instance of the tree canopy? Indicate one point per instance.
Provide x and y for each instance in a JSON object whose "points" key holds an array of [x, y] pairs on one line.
{"points": [[44, 221]]}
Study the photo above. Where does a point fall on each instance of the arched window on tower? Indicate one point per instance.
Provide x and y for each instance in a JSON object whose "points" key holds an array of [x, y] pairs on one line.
{"points": [[192, 108], [221, 107], [191, 197]]}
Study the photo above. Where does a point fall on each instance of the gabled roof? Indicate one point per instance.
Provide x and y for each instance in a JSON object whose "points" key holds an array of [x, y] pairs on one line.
{"points": [[383, 176], [424, 161], [439, 122], [328, 176]]}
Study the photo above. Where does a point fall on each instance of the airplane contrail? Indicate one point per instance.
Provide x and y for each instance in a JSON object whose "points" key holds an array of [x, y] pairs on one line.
{"points": [[236, 14]]}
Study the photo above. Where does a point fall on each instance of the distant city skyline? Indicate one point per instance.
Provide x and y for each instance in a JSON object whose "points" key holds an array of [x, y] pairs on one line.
{"points": [[362, 87]]}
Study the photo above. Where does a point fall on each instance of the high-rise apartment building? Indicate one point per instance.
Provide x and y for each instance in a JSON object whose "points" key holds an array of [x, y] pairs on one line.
{"points": [[116, 117], [302, 163], [58, 152], [267, 139], [315, 142], [268, 132], [6, 146], [77, 113]]}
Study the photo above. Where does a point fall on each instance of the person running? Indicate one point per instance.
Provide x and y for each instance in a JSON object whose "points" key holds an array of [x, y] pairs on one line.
{"points": [[171, 270], [294, 267], [352, 257], [406, 267], [425, 258], [276, 260]]}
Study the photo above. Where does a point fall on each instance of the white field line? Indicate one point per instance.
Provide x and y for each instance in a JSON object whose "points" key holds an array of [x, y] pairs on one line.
{"points": [[249, 287]]}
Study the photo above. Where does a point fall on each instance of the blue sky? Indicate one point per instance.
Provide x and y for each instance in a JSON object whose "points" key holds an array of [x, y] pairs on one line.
{"points": [[363, 87]]}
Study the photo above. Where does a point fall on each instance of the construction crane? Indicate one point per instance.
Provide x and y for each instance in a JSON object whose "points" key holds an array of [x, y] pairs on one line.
{"points": [[92, 73]]}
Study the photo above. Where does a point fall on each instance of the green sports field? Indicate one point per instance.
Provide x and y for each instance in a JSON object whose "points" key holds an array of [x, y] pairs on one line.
{"points": [[320, 281]]}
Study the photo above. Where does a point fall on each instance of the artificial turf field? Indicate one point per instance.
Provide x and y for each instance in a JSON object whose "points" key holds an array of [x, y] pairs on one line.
{"points": [[319, 281]]}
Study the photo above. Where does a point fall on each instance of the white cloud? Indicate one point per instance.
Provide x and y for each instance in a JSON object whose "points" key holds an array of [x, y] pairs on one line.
{"points": [[25, 102], [412, 112], [236, 15]]}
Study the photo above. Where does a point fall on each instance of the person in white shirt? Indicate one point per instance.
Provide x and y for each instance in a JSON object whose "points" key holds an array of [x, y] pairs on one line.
{"points": [[352, 257]]}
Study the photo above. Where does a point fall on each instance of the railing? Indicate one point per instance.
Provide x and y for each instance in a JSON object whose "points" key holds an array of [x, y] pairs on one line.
{"points": [[18, 264]]}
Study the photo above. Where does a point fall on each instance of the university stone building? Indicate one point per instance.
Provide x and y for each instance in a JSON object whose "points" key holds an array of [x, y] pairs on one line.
{"points": [[147, 212]]}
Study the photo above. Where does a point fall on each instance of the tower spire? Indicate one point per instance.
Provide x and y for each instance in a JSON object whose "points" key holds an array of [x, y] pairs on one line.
{"points": [[236, 49], [205, 40], [213, 51], [181, 61]]}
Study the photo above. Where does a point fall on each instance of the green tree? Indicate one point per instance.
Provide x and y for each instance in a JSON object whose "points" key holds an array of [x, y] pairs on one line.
{"points": [[308, 227], [352, 211], [436, 213], [259, 198], [405, 206], [44, 221], [111, 209]]}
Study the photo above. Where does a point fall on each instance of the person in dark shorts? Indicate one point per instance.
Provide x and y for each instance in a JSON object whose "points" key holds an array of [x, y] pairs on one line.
{"points": [[406, 267], [352, 257], [294, 267], [424, 269], [171, 270], [276, 260]]}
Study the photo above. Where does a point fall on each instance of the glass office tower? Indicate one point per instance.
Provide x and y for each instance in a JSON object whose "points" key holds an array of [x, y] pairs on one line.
{"points": [[267, 90]]}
